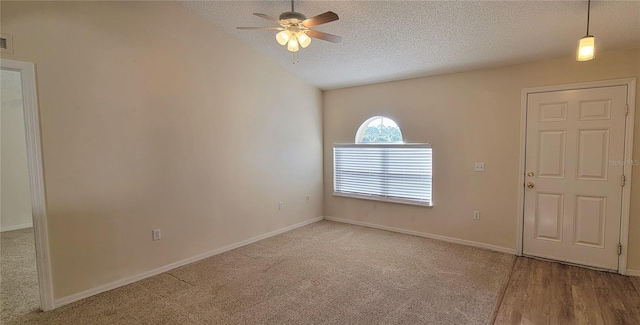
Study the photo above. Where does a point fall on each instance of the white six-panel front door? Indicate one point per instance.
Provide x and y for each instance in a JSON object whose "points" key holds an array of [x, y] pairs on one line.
{"points": [[574, 167]]}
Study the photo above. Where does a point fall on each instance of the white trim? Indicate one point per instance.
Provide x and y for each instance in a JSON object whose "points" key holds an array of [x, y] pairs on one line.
{"points": [[36, 177], [122, 282], [626, 190], [632, 272], [628, 155], [381, 198], [17, 227], [521, 159], [426, 235], [581, 85]]}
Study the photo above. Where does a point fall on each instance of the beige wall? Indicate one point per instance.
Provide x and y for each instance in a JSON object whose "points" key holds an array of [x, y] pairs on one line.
{"points": [[15, 197], [153, 118], [469, 117]]}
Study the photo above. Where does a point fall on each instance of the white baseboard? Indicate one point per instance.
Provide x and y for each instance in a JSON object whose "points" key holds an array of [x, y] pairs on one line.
{"points": [[17, 227], [426, 235], [119, 283], [632, 272]]}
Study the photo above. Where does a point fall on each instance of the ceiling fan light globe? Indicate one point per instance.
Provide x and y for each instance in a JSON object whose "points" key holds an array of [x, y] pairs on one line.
{"points": [[586, 48], [292, 46], [283, 37], [304, 40]]}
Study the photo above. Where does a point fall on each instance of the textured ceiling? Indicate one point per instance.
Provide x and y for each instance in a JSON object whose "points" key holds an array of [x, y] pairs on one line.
{"points": [[391, 40]]}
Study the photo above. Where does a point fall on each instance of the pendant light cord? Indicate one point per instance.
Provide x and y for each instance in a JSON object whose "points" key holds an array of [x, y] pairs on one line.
{"points": [[588, 14], [295, 11]]}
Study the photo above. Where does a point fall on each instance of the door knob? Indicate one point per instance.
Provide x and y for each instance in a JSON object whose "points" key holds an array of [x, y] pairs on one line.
{"points": [[530, 185], [530, 174]]}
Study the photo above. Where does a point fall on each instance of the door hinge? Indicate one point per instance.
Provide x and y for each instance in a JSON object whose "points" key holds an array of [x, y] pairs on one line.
{"points": [[619, 249], [626, 111], [624, 180]]}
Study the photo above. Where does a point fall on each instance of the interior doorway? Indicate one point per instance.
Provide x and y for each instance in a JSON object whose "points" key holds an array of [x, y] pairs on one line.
{"points": [[19, 281], [26, 278], [575, 204]]}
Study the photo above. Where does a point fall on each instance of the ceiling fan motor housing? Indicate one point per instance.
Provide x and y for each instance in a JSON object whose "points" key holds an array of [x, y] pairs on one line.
{"points": [[291, 15]]}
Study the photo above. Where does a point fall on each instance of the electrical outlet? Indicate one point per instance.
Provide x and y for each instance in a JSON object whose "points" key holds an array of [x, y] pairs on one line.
{"points": [[476, 215], [479, 167], [308, 199], [280, 206], [156, 234]]}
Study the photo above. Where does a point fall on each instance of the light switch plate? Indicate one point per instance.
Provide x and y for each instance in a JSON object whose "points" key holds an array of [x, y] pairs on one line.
{"points": [[479, 167], [156, 234]]}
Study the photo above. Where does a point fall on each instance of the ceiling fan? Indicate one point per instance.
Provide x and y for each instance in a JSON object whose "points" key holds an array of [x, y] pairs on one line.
{"points": [[295, 28]]}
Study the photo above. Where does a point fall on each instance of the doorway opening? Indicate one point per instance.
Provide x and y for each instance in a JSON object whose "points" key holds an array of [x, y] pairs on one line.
{"points": [[26, 278]]}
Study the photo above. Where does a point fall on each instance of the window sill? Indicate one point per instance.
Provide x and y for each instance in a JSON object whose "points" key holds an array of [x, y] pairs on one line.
{"points": [[384, 199]]}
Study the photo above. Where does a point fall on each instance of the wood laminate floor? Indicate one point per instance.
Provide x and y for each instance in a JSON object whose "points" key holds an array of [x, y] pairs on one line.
{"points": [[541, 292]]}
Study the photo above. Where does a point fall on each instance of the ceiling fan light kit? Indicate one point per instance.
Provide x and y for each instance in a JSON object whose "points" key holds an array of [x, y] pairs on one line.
{"points": [[293, 39], [295, 29], [587, 45]]}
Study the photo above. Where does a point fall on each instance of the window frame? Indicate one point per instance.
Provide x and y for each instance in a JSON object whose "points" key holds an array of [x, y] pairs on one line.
{"points": [[363, 128]]}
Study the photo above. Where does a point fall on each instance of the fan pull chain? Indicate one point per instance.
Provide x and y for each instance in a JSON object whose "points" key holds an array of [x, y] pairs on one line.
{"points": [[296, 58]]}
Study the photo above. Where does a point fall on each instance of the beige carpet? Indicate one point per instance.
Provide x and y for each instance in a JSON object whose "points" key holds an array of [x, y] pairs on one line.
{"points": [[323, 273], [18, 275]]}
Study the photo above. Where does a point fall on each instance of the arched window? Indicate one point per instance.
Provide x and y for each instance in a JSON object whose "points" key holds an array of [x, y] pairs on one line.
{"points": [[379, 129], [380, 166]]}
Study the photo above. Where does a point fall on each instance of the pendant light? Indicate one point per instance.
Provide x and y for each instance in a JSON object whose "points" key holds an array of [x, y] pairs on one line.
{"points": [[586, 45]]}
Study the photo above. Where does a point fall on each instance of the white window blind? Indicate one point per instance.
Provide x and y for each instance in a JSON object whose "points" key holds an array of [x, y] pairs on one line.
{"points": [[386, 172]]}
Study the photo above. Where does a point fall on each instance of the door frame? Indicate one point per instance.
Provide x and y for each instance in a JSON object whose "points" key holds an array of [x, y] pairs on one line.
{"points": [[628, 155], [36, 177]]}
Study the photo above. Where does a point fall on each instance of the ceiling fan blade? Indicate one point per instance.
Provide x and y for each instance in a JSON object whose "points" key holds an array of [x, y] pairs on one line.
{"points": [[262, 28], [267, 17], [324, 36], [320, 19]]}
